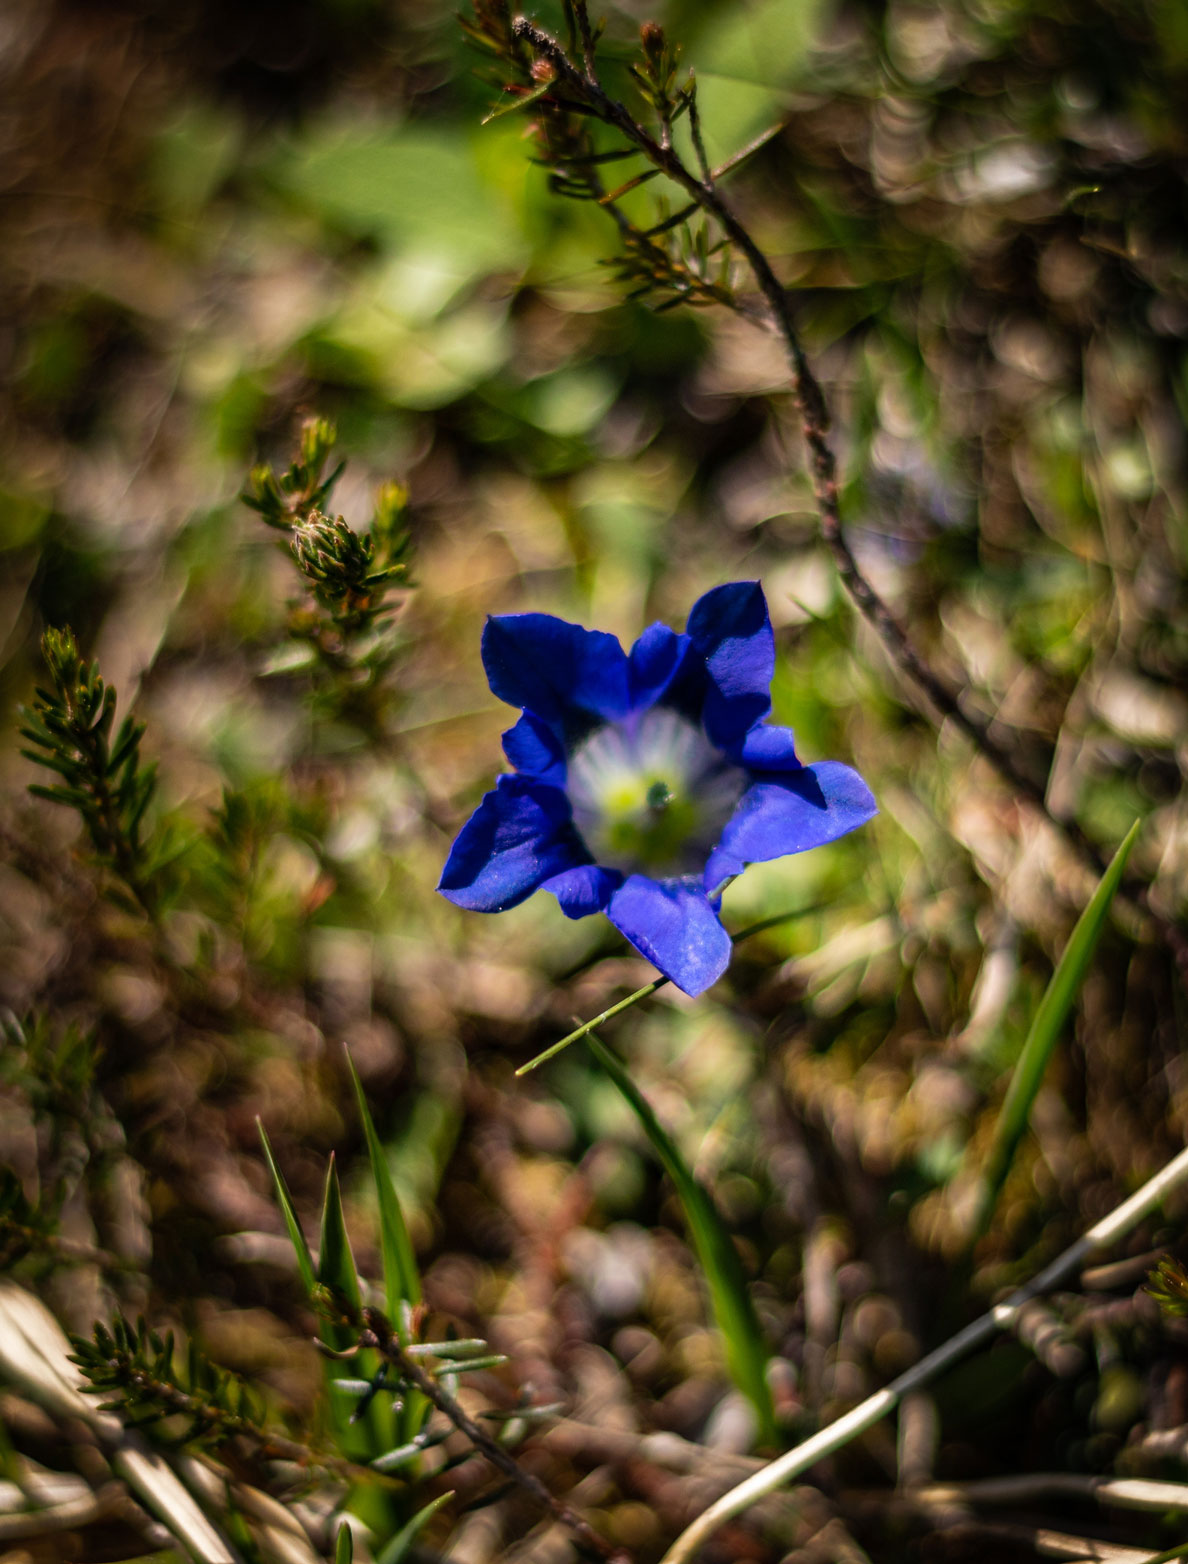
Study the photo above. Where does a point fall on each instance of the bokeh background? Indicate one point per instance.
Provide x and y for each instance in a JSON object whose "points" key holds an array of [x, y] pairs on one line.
{"points": [[216, 219]]}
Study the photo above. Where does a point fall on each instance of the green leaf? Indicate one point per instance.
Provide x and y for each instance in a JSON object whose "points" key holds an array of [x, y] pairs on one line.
{"points": [[336, 1272], [344, 1545], [336, 1264], [398, 1548], [746, 1356], [1045, 1032], [402, 1281], [305, 1265], [521, 102]]}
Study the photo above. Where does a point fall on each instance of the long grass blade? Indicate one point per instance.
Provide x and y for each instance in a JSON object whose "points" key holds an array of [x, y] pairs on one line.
{"points": [[1045, 1033], [733, 1311], [402, 1280], [305, 1265], [336, 1263]]}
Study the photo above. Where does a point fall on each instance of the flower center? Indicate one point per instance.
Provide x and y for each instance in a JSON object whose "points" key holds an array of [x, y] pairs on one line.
{"points": [[651, 794]]}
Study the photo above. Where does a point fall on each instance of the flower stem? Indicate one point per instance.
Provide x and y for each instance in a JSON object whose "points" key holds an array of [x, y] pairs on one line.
{"points": [[657, 983]]}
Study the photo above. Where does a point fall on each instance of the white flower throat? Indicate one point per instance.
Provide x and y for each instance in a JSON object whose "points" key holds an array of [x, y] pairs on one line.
{"points": [[651, 794]]}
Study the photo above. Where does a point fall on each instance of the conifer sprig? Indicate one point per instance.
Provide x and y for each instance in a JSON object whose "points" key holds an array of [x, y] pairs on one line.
{"points": [[683, 256], [285, 500], [72, 728], [343, 622], [23, 1226], [200, 1404]]}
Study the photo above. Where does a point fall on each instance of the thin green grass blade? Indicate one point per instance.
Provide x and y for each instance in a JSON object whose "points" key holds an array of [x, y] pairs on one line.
{"points": [[336, 1263], [746, 1356], [398, 1548], [305, 1265], [1045, 1032], [402, 1280]]}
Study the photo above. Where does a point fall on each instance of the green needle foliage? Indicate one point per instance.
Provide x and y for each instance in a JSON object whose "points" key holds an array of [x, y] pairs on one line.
{"points": [[285, 500], [377, 1414], [24, 1228], [1168, 1285], [342, 626], [678, 257], [138, 1371], [71, 727], [54, 1068]]}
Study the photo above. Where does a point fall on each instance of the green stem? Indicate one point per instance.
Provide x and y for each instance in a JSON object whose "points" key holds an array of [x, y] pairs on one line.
{"points": [[657, 983]]}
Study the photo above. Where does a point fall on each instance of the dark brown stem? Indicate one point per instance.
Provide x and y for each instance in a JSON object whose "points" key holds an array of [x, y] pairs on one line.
{"points": [[582, 11], [822, 463], [380, 1337], [707, 177]]}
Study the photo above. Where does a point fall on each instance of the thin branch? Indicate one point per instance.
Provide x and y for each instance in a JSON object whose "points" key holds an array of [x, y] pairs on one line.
{"points": [[587, 32], [707, 177], [810, 400], [1124, 1493], [871, 1411], [379, 1336]]}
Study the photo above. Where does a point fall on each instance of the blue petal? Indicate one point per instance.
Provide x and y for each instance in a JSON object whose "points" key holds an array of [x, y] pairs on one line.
{"points": [[654, 660], [535, 751], [789, 813], [520, 835], [672, 923], [554, 669], [585, 890], [730, 628], [768, 747]]}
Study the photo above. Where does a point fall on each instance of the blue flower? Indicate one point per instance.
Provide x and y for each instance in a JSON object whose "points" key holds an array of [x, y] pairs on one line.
{"points": [[643, 782]]}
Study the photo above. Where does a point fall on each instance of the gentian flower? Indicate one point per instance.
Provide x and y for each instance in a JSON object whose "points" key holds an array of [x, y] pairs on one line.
{"points": [[643, 782]]}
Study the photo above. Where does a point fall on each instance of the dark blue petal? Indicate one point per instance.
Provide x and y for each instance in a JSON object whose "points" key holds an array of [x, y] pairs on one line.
{"points": [[654, 660], [672, 923], [554, 669], [768, 747], [585, 890], [520, 835], [535, 750], [730, 628], [789, 813]]}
